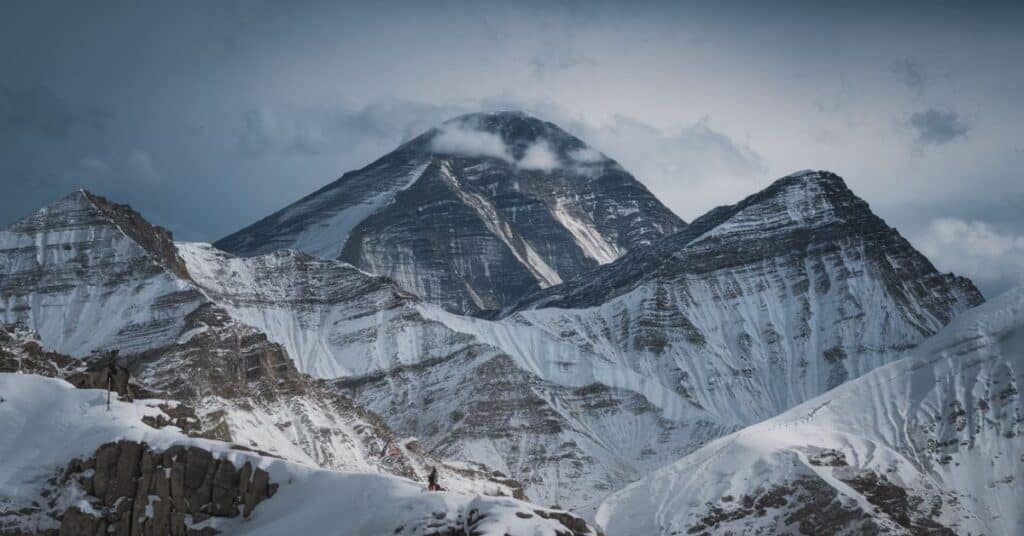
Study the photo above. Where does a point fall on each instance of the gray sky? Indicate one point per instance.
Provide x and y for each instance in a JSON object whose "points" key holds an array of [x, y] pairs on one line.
{"points": [[207, 116]]}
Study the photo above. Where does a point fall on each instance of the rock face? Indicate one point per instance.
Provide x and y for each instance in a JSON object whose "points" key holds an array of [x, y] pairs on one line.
{"points": [[930, 444], [333, 319], [86, 274], [69, 266], [472, 214], [576, 390], [759, 306], [569, 446], [133, 490]]}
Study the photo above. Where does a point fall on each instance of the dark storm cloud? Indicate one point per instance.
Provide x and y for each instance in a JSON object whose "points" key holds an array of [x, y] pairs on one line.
{"points": [[40, 110], [937, 127]]}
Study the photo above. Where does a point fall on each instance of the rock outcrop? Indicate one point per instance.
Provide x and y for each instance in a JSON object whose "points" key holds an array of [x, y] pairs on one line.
{"points": [[131, 490]]}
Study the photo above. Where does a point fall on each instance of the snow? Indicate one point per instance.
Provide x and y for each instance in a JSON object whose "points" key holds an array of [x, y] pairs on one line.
{"points": [[593, 244], [333, 319], [328, 236], [84, 285], [887, 421], [73, 423], [518, 246]]}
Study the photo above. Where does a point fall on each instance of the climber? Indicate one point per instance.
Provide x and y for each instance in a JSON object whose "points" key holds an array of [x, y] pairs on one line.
{"points": [[432, 480], [111, 375]]}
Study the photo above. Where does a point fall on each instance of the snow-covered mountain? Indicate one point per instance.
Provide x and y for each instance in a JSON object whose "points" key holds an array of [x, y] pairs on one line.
{"points": [[930, 444], [758, 306], [65, 270], [574, 391], [567, 437], [85, 274], [472, 214]]}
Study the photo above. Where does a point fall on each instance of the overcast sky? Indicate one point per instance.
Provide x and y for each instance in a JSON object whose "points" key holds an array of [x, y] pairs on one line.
{"points": [[206, 116]]}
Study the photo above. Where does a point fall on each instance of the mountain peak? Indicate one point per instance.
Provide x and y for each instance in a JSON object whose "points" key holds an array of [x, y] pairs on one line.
{"points": [[511, 136], [473, 213], [82, 208]]}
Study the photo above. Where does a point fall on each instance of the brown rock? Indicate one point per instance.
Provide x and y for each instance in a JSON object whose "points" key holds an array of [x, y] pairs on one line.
{"points": [[224, 490], [178, 524], [127, 479], [78, 523], [106, 469], [244, 474], [257, 490], [198, 478], [161, 518]]}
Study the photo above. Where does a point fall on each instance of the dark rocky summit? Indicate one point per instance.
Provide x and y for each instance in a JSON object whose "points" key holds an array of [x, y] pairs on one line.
{"points": [[472, 214]]}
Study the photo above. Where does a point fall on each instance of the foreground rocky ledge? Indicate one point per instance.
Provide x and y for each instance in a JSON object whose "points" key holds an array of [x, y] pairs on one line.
{"points": [[131, 490]]}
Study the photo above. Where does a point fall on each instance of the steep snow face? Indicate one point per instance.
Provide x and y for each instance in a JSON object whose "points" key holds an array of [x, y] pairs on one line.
{"points": [[930, 443], [430, 375], [333, 319], [473, 214], [746, 320], [72, 423], [87, 275], [568, 446]]}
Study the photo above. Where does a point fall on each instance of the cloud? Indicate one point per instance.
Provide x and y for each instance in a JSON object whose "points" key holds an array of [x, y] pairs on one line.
{"points": [[363, 133], [466, 141], [40, 109], [937, 127], [994, 259], [586, 155], [539, 156], [690, 168], [911, 74]]}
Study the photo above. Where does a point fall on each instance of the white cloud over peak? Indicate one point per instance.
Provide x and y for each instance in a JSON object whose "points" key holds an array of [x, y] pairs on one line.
{"points": [[586, 155], [456, 139], [539, 156]]}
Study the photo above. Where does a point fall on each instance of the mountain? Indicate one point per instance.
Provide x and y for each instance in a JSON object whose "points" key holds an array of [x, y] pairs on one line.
{"points": [[66, 267], [929, 444], [758, 306], [748, 312], [564, 438], [567, 394], [472, 214], [84, 275]]}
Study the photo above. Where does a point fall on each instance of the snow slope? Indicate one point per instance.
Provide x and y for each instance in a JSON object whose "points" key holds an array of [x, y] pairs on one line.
{"points": [[932, 442], [751, 310], [72, 423], [333, 319], [66, 267]]}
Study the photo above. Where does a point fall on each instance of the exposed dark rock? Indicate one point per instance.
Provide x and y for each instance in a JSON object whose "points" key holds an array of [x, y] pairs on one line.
{"points": [[129, 477], [470, 232]]}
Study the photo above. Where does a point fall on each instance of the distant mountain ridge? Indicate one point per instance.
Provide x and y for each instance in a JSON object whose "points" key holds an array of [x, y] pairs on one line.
{"points": [[575, 390]]}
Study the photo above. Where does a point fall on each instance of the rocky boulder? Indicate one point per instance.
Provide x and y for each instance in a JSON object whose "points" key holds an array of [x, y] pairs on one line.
{"points": [[133, 490]]}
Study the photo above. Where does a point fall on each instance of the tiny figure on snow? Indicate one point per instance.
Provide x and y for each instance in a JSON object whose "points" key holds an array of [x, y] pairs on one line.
{"points": [[432, 480]]}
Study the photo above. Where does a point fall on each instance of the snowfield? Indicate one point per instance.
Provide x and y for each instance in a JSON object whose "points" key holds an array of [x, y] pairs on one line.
{"points": [[932, 441], [48, 422]]}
